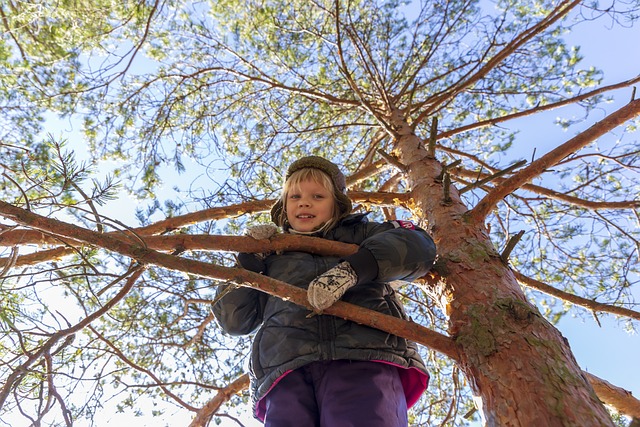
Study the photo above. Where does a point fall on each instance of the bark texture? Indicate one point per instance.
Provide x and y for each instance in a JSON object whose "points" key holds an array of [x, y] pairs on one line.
{"points": [[517, 363]]}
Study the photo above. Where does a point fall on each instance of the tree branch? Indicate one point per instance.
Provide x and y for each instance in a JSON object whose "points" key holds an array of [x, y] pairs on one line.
{"points": [[210, 214], [138, 368], [538, 109], [366, 105], [253, 207], [622, 400], [555, 195], [19, 236], [524, 37], [367, 172], [537, 167], [574, 299], [406, 329], [18, 373], [203, 415], [39, 256]]}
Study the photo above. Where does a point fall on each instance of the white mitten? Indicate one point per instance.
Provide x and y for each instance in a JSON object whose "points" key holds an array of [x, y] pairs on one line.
{"points": [[329, 287], [261, 232], [397, 284]]}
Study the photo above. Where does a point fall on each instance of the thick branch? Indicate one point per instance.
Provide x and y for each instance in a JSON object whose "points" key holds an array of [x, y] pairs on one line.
{"points": [[210, 214], [622, 400], [367, 172], [278, 243], [40, 256], [379, 199], [205, 242], [169, 224], [537, 167], [13, 237], [406, 329]]}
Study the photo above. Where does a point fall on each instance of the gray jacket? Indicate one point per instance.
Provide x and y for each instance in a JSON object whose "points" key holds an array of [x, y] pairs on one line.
{"points": [[287, 338]]}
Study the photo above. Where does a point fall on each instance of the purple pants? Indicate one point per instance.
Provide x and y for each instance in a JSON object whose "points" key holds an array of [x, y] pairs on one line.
{"points": [[339, 393]]}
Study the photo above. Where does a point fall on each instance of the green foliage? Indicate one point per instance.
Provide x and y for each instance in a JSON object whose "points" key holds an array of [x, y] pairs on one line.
{"points": [[228, 93]]}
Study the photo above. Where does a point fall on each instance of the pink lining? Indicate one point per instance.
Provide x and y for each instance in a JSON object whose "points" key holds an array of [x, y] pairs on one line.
{"points": [[261, 407], [414, 382]]}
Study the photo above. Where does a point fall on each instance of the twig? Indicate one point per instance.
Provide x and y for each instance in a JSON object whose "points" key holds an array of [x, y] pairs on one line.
{"points": [[432, 138], [446, 168], [494, 176], [392, 160], [513, 241]]}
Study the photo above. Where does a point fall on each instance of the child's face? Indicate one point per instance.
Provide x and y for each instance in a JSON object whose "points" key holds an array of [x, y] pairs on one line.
{"points": [[309, 206]]}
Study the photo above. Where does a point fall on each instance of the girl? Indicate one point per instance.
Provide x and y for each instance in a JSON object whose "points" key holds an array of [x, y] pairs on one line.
{"points": [[324, 371]]}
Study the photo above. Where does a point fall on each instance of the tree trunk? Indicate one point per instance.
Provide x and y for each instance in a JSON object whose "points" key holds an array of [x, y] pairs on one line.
{"points": [[518, 365]]}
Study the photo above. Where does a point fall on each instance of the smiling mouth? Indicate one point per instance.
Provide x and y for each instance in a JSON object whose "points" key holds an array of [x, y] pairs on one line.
{"points": [[305, 216]]}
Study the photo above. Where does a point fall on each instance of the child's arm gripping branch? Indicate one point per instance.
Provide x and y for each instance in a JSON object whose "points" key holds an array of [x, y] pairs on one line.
{"points": [[390, 251], [239, 310], [400, 250]]}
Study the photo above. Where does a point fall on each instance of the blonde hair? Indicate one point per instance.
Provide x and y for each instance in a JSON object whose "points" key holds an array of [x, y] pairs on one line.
{"points": [[315, 175]]}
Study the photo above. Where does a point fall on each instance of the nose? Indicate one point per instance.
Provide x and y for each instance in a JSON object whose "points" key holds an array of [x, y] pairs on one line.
{"points": [[304, 202]]}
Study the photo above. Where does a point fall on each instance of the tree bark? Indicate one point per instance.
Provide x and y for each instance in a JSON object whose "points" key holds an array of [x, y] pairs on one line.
{"points": [[518, 365], [203, 416]]}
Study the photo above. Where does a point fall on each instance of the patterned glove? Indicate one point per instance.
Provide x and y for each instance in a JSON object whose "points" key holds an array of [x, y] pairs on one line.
{"points": [[329, 287], [397, 284], [261, 232]]}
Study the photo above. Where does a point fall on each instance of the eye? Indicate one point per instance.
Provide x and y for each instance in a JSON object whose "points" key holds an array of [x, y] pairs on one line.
{"points": [[318, 196], [294, 196]]}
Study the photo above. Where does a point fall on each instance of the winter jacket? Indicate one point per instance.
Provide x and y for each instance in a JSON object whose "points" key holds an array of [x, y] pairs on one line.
{"points": [[288, 338]]}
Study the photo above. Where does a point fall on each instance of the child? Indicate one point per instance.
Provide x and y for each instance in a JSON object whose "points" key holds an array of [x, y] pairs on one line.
{"points": [[312, 371]]}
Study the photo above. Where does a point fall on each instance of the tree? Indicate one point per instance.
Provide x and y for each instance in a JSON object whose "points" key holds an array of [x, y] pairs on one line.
{"points": [[410, 98]]}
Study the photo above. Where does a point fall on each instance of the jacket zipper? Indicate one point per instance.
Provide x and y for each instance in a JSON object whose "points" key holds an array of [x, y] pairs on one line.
{"points": [[326, 328]]}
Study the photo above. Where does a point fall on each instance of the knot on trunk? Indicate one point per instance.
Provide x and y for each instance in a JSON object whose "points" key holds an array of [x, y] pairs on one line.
{"points": [[519, 310]]}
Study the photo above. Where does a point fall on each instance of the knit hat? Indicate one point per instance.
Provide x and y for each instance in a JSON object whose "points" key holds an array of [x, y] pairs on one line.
{"points": [[337, 177]]}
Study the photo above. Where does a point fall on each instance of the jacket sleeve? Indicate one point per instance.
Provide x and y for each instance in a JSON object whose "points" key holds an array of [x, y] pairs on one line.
{"points": [[394, 250], [239, 310]]}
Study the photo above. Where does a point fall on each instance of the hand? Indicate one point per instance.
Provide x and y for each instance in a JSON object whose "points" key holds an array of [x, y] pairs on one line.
{"points": [[397, 284], [261, 232], [329, 287]]}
